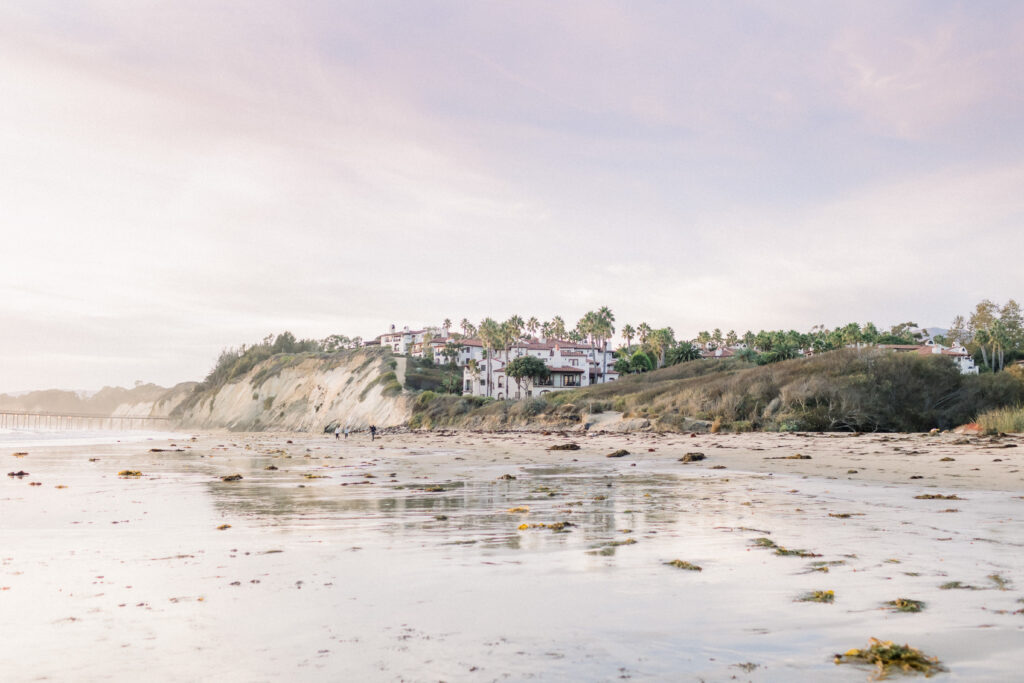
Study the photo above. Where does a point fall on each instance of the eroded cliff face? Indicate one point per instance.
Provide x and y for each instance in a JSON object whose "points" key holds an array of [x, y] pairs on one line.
{"points": [[304, 394]]}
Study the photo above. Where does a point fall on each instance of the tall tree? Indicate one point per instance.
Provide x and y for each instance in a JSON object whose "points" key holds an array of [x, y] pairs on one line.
{"points": [[509, 333], [465, 325], [558, 330], [957, 331], [532, 325], [604, 329], [628, 333], [516, 326], [447, 326], [660, 341], [643, 331], [490, 336]]}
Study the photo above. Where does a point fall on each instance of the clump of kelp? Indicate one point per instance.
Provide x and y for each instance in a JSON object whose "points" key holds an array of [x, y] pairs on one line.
{"points": [[683, 564], [904, 605], [818, 596], [782, 550], [888, 657], [557, 527]]}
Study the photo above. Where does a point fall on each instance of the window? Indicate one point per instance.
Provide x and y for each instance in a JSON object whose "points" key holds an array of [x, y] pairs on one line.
{"points": [[572, 380]]}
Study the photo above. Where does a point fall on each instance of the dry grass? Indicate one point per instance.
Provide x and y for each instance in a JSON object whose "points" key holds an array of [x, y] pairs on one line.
{"points": [[1008, 420]]}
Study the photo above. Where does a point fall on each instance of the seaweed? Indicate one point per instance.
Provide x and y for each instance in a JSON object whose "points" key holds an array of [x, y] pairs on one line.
{"points": [[129, 473], [693, 457], [683, 564], [565, 447], [818, 596], [937, 496], [1000, 582], [886, 657], [904, 605], [618, 454]]}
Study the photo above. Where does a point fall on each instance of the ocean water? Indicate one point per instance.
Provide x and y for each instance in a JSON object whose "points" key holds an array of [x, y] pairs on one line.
{"points": [[14, 438]]}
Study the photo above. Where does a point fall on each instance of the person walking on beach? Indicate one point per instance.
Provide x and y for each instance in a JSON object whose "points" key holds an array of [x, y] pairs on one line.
{"points": [[337, 432], [373, 432], [346, 431]]}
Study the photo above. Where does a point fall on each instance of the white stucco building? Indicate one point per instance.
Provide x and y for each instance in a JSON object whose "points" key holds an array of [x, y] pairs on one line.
{"points": [[571, 364]]}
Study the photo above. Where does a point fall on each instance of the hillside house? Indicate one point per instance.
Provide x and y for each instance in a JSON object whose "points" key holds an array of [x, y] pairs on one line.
{"points": [[960, 355], [571, 364]]}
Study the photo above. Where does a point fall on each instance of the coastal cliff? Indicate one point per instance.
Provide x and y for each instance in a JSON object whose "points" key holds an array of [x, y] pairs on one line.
{"points": [[304, 393]]}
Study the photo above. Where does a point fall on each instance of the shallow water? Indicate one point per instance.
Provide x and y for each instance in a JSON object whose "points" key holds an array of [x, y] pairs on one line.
{"points": [[426, 575]]}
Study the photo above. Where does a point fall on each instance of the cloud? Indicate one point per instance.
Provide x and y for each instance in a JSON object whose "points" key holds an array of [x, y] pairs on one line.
{"points": [[193, 176]]}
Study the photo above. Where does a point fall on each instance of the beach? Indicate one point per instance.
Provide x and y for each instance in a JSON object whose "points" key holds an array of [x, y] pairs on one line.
{"points": [[486, 556]]}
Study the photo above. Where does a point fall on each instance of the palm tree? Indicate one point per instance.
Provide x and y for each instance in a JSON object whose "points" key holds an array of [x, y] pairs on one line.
{"points": [[490, 335], [465, 325], [516, 324], [660, 341], [558, 330], [683, 352], [628, 333], [643, 331], [604, 330], [510, 331], [447, 325], [532, 325]]}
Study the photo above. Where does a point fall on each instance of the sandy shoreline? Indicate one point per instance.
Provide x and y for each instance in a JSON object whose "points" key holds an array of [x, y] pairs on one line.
{"points": [[478, 556]]}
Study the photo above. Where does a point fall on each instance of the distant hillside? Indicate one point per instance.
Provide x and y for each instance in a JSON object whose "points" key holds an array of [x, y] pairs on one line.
{"points": [[845, 390], [142, 401]]}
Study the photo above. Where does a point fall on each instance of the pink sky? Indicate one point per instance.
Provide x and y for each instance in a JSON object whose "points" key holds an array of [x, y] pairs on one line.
{"points": [[182, 177]]}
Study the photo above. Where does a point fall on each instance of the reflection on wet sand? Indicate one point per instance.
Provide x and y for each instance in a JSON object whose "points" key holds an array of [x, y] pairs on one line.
{"points": [[361, 562]]}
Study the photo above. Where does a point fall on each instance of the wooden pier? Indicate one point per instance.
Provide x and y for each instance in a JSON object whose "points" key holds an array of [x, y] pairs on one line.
{"points": [[20, 419]]}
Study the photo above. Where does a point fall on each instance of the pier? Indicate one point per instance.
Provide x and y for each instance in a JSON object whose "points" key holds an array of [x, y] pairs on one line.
{"points": [[20, 419]]}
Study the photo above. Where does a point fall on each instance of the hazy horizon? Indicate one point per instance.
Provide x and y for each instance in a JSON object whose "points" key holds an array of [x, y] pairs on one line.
{"points": [[184, 178]]}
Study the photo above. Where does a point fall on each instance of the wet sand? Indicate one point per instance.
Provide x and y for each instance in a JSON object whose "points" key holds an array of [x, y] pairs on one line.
{"points": [[402, 559]]}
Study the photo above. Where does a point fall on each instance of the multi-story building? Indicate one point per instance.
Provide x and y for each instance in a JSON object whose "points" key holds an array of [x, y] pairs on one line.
{"points": [[571, 364], [402, 341]]}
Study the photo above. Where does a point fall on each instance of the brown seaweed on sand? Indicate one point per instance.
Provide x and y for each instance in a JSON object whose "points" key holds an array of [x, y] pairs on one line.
{"points": [[683, 564], [888, 657]]}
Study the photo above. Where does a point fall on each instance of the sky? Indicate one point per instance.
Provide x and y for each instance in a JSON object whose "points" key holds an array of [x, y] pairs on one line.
{"points": [[178, 178]]}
